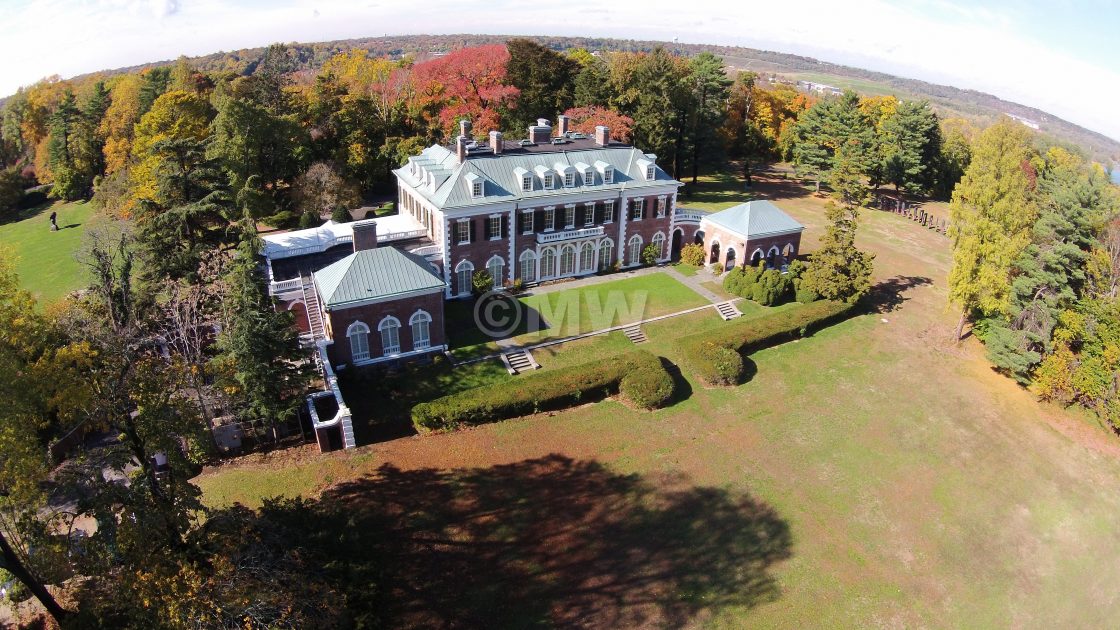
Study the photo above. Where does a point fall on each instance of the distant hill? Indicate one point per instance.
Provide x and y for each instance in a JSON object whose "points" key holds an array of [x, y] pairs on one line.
{"points": [[978, 106]]}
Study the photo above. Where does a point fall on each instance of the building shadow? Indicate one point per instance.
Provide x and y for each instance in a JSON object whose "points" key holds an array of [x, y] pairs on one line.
{"points": [[548, 542]]}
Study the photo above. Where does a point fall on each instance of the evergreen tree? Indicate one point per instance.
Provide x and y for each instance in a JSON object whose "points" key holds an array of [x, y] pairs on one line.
{"points": [[653, 90], [592, 85], [910, 144], [827, 126], [546, 80], [990, 215], [61, 151], [847, 180], [259, 349], [710, 87], [155, 82], [838, 270]]}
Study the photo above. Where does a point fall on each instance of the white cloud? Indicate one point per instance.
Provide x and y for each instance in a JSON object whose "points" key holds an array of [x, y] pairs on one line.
{"points": [[965, 45]]}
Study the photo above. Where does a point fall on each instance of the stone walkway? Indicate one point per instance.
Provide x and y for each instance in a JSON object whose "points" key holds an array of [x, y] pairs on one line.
{"points": [[695, 282]]}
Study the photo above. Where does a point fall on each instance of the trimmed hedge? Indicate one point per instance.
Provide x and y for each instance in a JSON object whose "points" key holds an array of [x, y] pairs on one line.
{"points": [[638, 374], [709, 354]]}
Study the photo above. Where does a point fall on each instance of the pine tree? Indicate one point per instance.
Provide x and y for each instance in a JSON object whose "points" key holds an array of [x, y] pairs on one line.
{"points": [[837, 270], [710, 88], [910, 143], [61, 151], [546, 80], [259, 349], [990, 219]]}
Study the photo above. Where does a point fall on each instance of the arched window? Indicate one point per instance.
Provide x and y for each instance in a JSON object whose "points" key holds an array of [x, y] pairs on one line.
{"points": [[420, 334], [548, 263], [390, 329], [635, 249], [528, 266], [359, 341], [659, 243], [463, 272], [606, 254], [495, 266], [567, 260], [587, 258]]}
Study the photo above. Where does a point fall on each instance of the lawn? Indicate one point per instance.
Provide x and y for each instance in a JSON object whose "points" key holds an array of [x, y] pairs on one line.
{"points": [[45, 259], [555, 312], [875, 474]]}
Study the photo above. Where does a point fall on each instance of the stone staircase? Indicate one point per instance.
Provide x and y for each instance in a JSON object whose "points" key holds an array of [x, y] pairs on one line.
{"points": [[519, 361], [727, 310], [634, 333]]}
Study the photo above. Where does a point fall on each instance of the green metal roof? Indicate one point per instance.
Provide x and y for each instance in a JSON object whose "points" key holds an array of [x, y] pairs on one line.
{"points": [[381, 272], [754, 219]]}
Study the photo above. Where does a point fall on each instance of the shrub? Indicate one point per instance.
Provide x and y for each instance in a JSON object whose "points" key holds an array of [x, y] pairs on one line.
{"points": [[341, 215], [308, 220], [772, 288], [547, 390], [701, 351], [693, 254], [482, 282], [648, 387], [733, 281], [716, 268], [516, 287], [650, 254], [806, 295]]}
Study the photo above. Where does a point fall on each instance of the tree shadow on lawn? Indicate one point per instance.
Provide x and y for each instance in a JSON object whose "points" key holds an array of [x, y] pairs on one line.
{"points": [[887, 296], [471, 326], [545, 542]]}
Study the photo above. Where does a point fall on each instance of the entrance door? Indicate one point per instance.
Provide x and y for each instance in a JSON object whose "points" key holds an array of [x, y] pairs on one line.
{"points": [[675, 252], [730, 259], [715, 253]]}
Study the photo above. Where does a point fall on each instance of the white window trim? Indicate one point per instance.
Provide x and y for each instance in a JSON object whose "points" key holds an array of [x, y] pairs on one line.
{"points": [[418, 317], [526, 183], [549, 180], [661, 247], [651, 172], [637, 208], [490, 226], [386, 322], [569, 179], [661, 207], [531, 218], [569, 213], [555, 263], [499, 278], [355, 329], [549, 218], [608, 211], [528, 257], [464, 265], [589, 214], [462, 238], [634, 259], [608, 175]]}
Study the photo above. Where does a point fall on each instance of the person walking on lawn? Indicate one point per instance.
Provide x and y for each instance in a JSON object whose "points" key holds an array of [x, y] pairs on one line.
{"points": [[54, 221]]}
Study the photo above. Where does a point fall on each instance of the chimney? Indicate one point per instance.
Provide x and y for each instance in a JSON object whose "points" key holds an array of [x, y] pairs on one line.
{"points": [[562, 125], [365, 234], [496, 142], [465, 129], [540, 133], [602, 135], [461, 149]]}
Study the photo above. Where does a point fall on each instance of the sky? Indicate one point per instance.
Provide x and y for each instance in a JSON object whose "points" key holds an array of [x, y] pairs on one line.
{"points": [[1060, 56]]}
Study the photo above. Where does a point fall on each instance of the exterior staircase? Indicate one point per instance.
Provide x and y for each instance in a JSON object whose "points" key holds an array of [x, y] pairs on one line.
{"points": [[634, 333], [314, 316], [727, 310], [519, 361]]}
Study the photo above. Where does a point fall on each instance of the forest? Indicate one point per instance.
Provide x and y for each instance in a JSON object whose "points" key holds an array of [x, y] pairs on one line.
{"points": [[187, 164]]}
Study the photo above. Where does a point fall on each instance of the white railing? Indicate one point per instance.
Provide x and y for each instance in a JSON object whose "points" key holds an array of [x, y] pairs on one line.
{"points": [[427, 250], [317, 248], [401, 236], [683, 214], [568, 235], [284, 286]]}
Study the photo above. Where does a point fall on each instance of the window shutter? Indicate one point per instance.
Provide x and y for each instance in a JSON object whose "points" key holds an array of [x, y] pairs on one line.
{"points": [[579, 215], [472, 237], [505, 226], [538, 220], [597, 213]]}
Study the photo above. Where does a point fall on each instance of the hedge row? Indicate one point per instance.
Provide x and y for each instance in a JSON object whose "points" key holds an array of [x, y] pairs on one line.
{"points": [[715, 357], [638, 375]]}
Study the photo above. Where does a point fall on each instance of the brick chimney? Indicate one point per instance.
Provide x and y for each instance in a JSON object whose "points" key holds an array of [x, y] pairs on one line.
{"points": [[461, 149], [465, 129], [602, 135], [562, 125], [540, 133], [365, 234], [496, 142]]}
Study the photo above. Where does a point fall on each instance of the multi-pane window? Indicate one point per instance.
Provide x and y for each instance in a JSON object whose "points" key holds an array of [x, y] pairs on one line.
{"points": [[635, 254], [660, 207], [589, 177], [390, 336], [548, 180], [463, 274], [527, 222], [359, 341], [463, 231], [495, 267], [567, 260], [421, 337], [587, 258], [476, 189], [589, 215], [494, 228], [549, 219], [608, 212], [528, 267], [639, 209], [548, 263], [651, 171], [608, 176], [569, 179], [569, 216], [606, 255], [526, 182], [659, 243]]}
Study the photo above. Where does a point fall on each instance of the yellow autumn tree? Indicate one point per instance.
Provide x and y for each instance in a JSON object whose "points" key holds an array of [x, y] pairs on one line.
{"points": [[117, 125], [175, 115]]}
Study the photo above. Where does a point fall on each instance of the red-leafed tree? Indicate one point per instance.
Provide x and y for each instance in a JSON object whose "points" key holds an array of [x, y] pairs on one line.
{"points": [[585, 119], [467, 83]]}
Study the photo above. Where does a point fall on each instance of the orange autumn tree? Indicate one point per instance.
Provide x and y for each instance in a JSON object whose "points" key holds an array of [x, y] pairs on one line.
{"points": [[467, 83], [585, 119]]}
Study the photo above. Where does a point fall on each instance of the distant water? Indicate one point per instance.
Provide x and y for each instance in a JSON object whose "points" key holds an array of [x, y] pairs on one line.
{"points": [[1116, 174]]}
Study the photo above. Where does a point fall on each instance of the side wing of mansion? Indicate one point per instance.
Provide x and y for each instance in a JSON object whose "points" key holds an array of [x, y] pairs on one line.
{"points": [[539, 209]]}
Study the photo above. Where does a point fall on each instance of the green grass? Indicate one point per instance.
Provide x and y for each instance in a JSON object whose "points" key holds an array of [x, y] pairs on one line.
{"points": [[919, 488], [685, 269], [45, 260]]}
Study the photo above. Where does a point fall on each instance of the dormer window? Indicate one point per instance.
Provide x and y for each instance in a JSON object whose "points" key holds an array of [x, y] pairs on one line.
{"points": [[526, 182], [608, 175], [588, 178], [474, 184], [651, 172], [649, 167], [548, 183], [569, 179]]}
